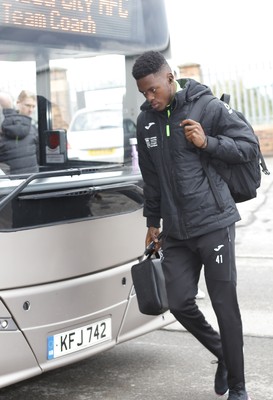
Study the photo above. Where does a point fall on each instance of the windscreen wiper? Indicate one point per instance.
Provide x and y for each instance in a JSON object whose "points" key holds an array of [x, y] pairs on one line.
{"points": [[37, 175], [40, 175]]}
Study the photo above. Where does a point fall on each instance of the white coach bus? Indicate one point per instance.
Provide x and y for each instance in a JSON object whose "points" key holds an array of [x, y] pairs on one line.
{"points": [[70, 232]]}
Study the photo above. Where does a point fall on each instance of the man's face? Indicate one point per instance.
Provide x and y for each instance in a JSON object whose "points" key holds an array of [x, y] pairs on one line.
{"points": [[27, 106], [158, 89]]}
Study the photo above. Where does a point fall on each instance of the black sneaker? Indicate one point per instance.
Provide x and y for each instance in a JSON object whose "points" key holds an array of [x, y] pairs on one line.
{"points": [[220, 382], [238, 394]]}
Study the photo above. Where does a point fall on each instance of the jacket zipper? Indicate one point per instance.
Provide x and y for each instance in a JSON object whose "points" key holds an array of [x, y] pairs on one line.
{"points": [[181, 225]]}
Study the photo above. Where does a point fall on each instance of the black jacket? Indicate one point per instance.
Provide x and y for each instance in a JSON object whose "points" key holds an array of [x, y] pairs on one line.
{"points": [[176, 188], [18, 143]]}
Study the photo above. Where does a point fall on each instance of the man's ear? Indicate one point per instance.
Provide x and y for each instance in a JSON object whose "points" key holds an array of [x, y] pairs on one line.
{"points": [[170, 77]]}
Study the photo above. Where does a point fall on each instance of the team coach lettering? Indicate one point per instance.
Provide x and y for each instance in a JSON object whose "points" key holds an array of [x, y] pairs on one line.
{"points": [[64, 15]]}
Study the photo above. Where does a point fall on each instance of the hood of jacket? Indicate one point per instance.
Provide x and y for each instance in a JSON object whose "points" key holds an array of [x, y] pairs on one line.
{"points": [[191, 90]]}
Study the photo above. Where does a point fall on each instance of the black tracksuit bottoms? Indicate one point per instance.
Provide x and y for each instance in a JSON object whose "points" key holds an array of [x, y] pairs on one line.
{"points": [[182, 263]]}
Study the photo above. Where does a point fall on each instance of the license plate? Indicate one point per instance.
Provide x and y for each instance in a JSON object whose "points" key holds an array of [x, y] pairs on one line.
{"points": [[101, 152], [80, 338]]}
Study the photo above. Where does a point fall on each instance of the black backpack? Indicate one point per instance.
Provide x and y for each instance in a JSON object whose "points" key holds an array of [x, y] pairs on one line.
{"points": [[243, 179]]}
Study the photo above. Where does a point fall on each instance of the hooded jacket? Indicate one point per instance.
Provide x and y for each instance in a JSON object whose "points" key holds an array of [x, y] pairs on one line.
{"points": [[18, 143], [176, 188]]}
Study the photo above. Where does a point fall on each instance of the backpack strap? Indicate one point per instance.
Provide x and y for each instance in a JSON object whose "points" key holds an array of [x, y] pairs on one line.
{"points": [[199, 107], [225, 98], [263, 164]]}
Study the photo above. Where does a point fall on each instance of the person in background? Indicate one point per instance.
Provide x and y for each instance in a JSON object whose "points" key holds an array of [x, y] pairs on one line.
{"points": [[5, 102], [196, 232], [26, 103], [18, 141]]}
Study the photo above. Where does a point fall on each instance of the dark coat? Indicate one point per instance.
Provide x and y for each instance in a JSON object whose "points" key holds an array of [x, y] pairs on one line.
{"points": [[18, 143], [176, 188]]}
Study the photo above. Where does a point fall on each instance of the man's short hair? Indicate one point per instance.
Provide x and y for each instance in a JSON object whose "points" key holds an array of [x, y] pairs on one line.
{"points": [[148, 63], [24, 94]]}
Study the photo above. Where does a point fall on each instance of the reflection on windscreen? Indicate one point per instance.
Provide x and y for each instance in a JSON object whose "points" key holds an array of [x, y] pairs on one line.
{"points": [[96, 130], [90, 120], [19, 142], [89, 107], [96, 136]]}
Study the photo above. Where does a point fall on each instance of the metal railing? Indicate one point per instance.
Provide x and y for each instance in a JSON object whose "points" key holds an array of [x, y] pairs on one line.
{"points": [[250, 88]]}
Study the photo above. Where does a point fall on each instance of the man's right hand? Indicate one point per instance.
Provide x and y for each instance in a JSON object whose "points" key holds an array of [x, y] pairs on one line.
{"points": [[151, 236]]}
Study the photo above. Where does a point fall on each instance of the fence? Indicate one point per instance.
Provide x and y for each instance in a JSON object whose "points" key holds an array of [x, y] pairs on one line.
{"points": [[250, 88]]}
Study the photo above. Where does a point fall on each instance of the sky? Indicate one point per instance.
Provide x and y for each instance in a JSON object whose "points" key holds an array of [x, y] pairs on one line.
{"points": [[216, 31]]}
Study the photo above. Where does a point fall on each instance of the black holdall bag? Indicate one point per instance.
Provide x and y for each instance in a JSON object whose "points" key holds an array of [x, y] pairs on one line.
{"points": [[149, 282]]}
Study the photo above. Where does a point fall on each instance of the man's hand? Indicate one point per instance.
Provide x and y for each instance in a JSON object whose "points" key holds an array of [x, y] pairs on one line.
{"points": [[194, 133], [151, 236]]}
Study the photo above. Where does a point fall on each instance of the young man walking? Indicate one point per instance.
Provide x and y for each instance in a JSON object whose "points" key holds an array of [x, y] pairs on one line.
{"points": [[196, 230]]}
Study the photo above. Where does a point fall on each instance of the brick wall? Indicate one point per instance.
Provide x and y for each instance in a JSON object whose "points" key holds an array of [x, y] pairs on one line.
{"points": [[265, 135]]}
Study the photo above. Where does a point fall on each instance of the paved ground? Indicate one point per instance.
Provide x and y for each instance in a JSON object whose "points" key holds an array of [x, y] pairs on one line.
{"points": [[162, 365]]}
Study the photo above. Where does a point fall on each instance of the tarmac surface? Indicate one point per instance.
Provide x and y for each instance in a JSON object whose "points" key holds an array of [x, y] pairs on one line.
{"points": [[169, 364]]}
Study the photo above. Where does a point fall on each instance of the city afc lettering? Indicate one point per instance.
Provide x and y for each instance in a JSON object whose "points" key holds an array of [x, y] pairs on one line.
{"points": [[54, 14]]}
